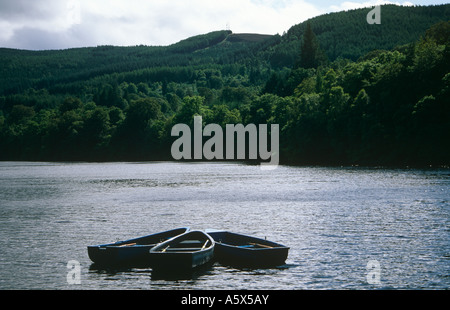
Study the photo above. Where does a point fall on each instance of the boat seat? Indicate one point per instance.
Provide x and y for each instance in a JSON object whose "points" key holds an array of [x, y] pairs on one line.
{"points": [[182, 249], [191, 242]]}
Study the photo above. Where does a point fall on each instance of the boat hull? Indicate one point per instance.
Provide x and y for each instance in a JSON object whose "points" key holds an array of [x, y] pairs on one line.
{"points": [[180, 261], [132, 252], [183, 252], [246, 251]]}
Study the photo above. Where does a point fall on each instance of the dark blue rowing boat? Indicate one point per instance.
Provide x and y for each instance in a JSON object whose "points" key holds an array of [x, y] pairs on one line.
{"points": [[246, 251], [184, 252], [132, 252]]}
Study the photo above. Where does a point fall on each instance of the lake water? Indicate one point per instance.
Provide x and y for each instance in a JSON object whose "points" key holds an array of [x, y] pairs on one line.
{"points": [[335, 220]]}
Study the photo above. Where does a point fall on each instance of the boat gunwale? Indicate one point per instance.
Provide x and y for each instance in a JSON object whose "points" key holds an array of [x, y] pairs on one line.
{"points": [[244, 248], [247, 239], [123, 243]]}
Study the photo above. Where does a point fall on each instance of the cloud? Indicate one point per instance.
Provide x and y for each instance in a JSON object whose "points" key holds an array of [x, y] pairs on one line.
{"points": [[53, 24], [57, 24], [22, 20], [349, 5]]}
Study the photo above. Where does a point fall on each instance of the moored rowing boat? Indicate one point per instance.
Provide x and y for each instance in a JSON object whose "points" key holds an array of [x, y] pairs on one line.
{"points": [[246, 251], [187, 251], [132, 252]]}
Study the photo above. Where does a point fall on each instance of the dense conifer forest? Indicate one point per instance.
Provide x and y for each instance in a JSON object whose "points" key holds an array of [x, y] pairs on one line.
{"points": [[342, 91]]}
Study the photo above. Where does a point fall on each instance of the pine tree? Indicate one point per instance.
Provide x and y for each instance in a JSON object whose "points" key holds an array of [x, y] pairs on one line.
{"points": [[311, 55]]}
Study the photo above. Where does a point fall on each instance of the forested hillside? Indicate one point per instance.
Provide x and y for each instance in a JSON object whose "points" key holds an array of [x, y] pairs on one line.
{"points": [[344, 92], [348, 35]]}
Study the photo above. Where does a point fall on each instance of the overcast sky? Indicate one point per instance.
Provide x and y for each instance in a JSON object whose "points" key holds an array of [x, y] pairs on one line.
{"points": [[59, 24]]}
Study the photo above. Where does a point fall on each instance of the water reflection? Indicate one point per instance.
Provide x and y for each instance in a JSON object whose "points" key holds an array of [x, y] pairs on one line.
{"points": [[155, 274], [114, 270], [177, 275], [211, 269]]}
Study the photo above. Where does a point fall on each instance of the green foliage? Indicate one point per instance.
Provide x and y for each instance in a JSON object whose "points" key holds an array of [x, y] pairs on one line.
{"points": [[382, 100], [311, 54], [347, 34]]}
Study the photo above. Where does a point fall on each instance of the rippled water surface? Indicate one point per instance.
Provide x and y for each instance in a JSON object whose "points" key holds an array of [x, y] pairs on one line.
{"points": [[335, 220]]}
